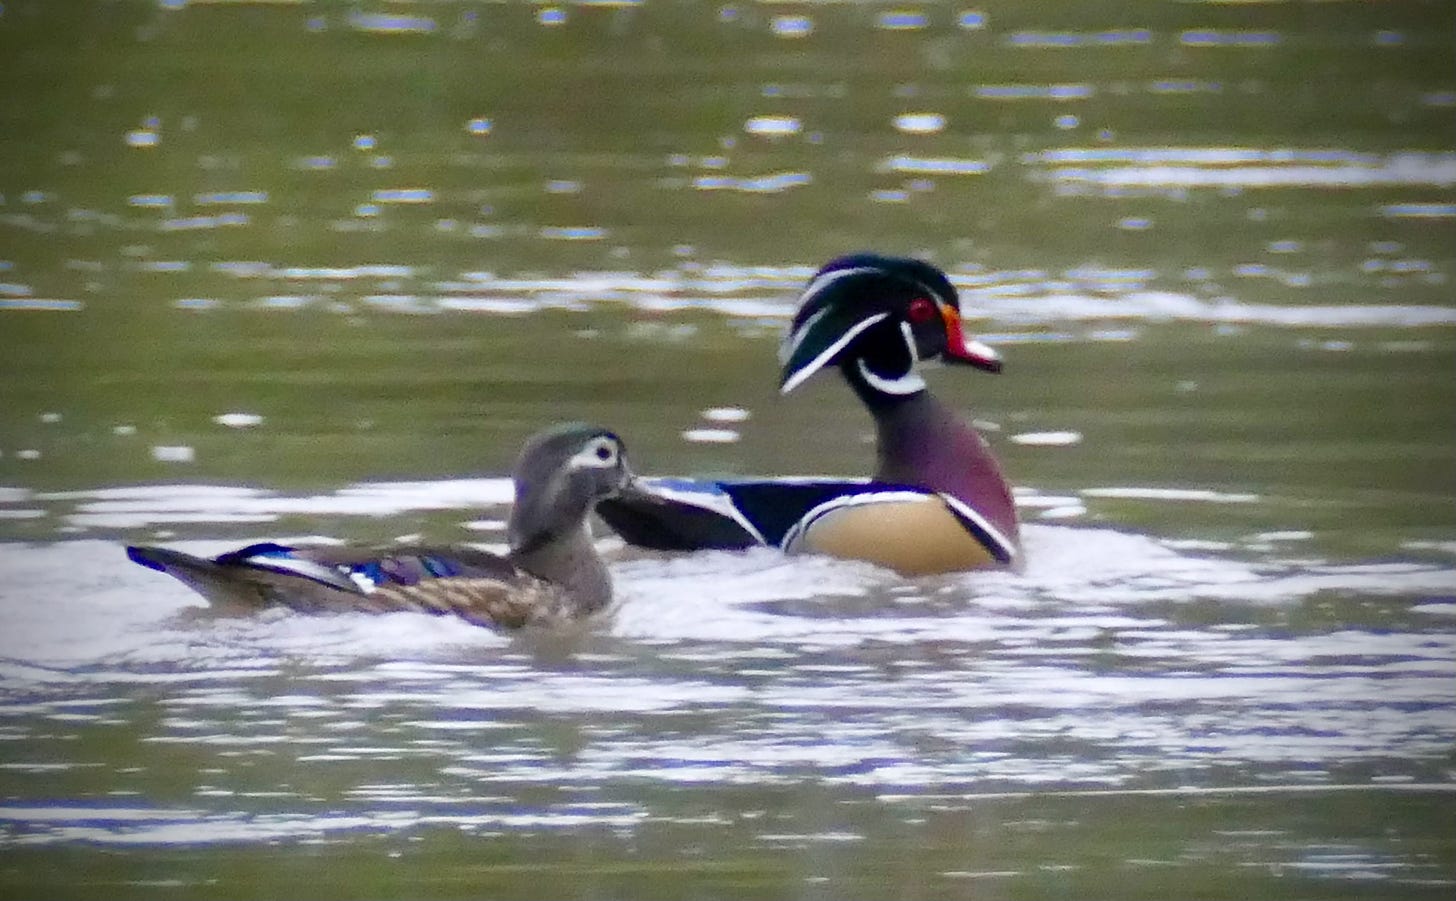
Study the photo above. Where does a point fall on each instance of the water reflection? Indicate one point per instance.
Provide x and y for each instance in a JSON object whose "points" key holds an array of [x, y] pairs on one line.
{"points": [[1009, 297], [1074, 681], [1118, 670]]}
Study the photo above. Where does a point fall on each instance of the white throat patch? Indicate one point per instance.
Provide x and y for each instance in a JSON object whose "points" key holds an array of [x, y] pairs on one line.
{"points": [[908, 383]]}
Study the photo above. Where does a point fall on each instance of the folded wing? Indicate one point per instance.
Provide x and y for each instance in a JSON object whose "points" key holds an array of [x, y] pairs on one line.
{"points": [[904, 527], [476, 585]]}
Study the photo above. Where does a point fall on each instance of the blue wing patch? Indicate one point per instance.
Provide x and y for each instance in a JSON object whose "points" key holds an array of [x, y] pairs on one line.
{"points": [[344, 570]]}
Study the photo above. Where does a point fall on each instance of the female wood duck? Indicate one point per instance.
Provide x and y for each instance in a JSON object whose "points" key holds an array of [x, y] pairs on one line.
{"points": [[552, 573], [937, 501]]}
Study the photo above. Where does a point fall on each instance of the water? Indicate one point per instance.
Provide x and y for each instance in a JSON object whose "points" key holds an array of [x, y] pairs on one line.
{"points": [[758, 723], [313, 272]]}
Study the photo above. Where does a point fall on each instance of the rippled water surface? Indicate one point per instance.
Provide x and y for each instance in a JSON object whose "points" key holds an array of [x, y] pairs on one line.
{"points": [[312, 271]]}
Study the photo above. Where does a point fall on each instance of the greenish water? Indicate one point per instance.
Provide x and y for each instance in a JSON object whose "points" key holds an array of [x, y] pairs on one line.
{"points": [[316, 269]]}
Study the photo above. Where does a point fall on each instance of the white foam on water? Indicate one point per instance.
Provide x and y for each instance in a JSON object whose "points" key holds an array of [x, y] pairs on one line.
{"points": [[711, 436], [917, 165], [719, 596], [178, 453], [1038, 307], [919, 123], [1437, 170], [1441, 609], [74, 603], [773, 126], [791, 26], [1445, 547], [711, 414], [1029, 297], [80, 604], [180, 828], [1173, 494], [77, 603], [130, 508], [1047, 439], [787, 668]]}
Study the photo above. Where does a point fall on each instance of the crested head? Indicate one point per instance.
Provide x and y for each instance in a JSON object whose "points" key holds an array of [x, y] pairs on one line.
{"points": [[877, 317], [560, 475]]}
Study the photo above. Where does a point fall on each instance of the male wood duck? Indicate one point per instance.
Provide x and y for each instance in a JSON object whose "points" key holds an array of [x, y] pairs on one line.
{"points": [[937, 501], [552, 573]]}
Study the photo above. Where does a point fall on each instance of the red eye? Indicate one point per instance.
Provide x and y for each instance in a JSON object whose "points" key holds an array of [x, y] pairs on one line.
{"points": [[922, 310]]}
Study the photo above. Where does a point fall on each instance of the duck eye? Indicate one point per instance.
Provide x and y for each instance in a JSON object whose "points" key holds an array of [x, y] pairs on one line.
{"points": [[604, 452], [921, 311]]}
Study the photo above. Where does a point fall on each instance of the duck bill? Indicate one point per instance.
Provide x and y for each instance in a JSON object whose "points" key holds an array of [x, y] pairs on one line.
{"points": [[960, 350], [819, 341], [631, 483]]}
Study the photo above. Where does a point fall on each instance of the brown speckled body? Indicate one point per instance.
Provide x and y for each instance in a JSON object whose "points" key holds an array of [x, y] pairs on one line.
{"points": [[552, 574], [493, 592], [484, 602]]}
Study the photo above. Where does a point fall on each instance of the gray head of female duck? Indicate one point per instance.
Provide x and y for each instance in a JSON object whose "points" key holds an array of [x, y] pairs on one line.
{"points": [[560, 475], [878, 318]]}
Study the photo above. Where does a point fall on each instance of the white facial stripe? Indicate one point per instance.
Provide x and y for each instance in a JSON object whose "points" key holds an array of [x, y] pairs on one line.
{"points": [[910, 342], [909, 383], [786, 350], [804, 372], [791, 344], [587, 458], [829, 278]]}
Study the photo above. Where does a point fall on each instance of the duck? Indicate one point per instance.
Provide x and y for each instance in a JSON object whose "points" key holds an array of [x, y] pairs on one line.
{"points": [[937, 501], [552, 573]]}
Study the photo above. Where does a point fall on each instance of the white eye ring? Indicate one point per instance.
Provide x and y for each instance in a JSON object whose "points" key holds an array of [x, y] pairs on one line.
{"points": [[600, 454]]}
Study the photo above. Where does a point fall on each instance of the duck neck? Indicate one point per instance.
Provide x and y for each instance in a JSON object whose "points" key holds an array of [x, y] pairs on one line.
{"points": [[905, 430], [925, 443], [570, 561], [905, 419]]}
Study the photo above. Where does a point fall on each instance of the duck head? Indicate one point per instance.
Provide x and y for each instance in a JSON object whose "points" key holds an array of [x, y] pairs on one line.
{"points": [[561, 474], [877, 317]]}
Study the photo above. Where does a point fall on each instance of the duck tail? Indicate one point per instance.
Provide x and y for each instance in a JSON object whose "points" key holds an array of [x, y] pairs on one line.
{"points": [[217, 583], [165, 560]]}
